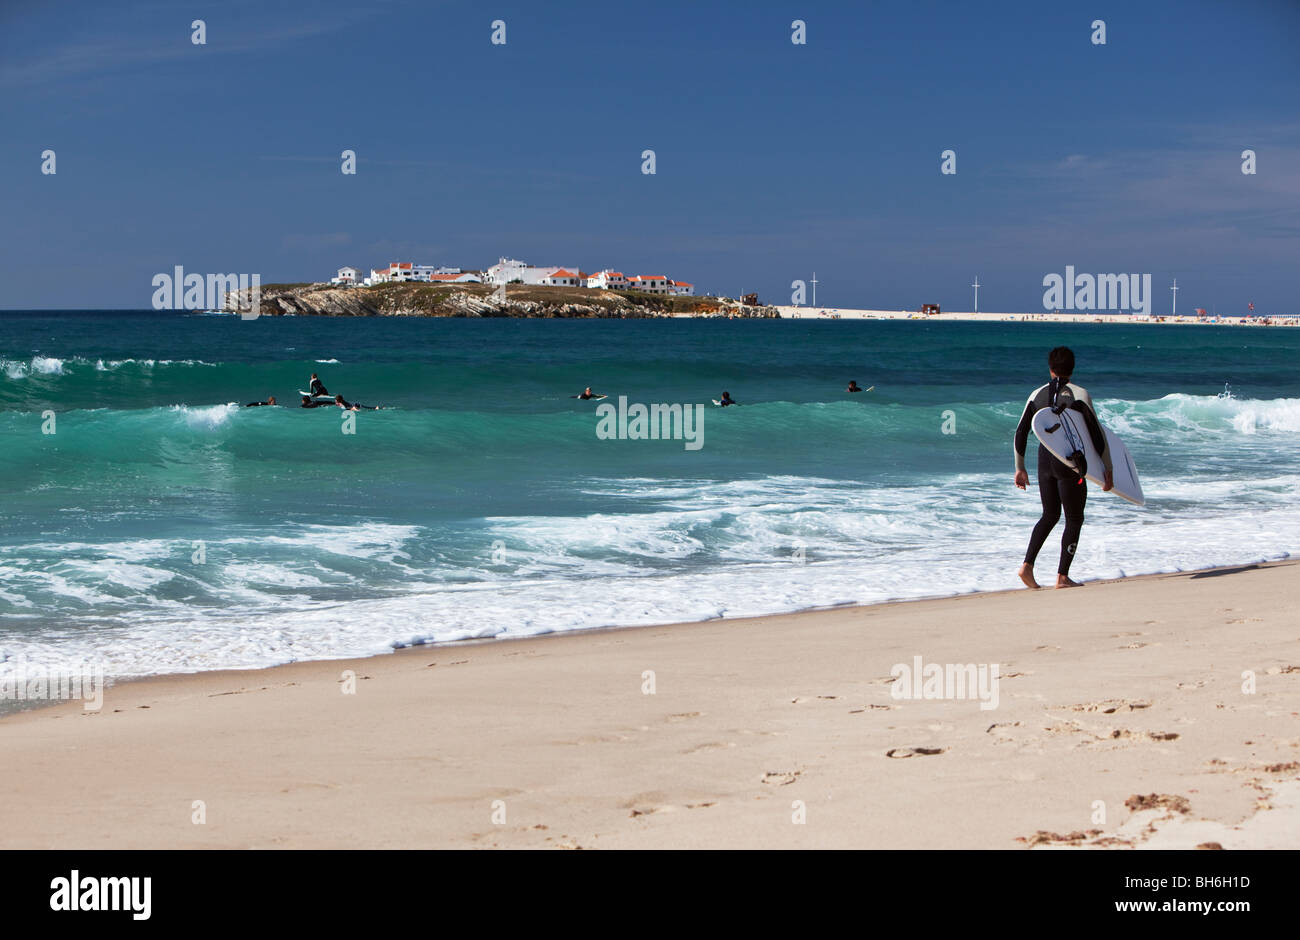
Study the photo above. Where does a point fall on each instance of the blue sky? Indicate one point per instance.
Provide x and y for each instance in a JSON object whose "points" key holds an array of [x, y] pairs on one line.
{"points": [[774, 160]]}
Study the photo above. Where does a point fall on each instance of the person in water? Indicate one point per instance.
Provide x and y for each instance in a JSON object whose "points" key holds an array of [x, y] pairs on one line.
{"points": [[1059, 485], [853, 386], [317, 387], [309, 402], [588, 393], [726, 399], [257, 404], [353, 406]]}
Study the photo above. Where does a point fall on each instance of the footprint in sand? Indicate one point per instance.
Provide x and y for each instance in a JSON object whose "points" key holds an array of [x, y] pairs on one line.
{"points": [[872, 708], [1166, 801], [1109, 706], [683, 716], [781, 778], [901, 752], [709, 746]]}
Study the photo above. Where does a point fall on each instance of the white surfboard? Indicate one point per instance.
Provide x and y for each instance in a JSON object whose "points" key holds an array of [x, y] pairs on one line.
{"points": [[1054, 432]]}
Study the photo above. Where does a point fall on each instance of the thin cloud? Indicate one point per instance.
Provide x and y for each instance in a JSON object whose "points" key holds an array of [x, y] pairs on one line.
{"points": [[94, 57]]}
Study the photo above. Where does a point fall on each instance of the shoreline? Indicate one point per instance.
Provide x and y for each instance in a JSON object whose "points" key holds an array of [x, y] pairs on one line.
{"points": [[1135, 693], [113, 682], [836, 313]]}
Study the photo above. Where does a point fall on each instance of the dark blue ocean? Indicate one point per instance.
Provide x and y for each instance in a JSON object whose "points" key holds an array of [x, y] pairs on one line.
{"points": [[149, 523]]}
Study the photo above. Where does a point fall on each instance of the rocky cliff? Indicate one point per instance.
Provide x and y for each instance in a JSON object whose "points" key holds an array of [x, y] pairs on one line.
{"points": [[481, 300]]}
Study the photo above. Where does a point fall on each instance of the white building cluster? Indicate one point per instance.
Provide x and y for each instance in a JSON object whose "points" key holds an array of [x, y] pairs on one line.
{"points": [[510, 271], [405, 271]]}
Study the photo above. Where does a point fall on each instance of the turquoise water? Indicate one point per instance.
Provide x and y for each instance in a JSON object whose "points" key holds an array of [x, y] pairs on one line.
{"points": [[163, 528]]}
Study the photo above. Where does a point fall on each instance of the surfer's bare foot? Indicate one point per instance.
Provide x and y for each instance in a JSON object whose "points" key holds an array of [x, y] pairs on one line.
{"points": [[1063, 581], [1027, 576]]}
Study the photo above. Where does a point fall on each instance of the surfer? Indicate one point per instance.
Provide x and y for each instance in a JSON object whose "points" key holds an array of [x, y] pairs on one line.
{"points": [[1059, 486], [257, 404], [317, 387], [352, 406], [726, 400], [853, 386], [309, 402], [588, 394]]}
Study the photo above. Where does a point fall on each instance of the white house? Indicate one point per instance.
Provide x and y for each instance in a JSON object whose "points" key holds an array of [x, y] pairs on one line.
{"points": [[457, 278], [607, 280], [563, 278], [346, 276], [650, 284], [508, 269], [682, 289]]}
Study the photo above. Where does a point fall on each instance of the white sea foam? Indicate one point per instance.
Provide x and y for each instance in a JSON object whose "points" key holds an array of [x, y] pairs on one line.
{"points": [[37, 365], [765, 546]]}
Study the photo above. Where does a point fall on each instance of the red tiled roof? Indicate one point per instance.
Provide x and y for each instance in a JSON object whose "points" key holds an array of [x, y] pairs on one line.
{"points": [[683, 284], [563, 273]]}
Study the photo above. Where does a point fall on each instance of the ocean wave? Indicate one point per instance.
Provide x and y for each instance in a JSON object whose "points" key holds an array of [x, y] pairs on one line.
{"points": [[695, 550], [53, 365], [1202, 414]]}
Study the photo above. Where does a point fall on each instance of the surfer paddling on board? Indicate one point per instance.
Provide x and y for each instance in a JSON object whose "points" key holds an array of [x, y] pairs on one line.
{"points": [[309, 402], [352, 405], [853, 386], [258, 404], [587, 394], [1059, 485]]}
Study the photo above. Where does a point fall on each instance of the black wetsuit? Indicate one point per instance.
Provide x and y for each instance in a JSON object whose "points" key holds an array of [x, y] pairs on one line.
{"points": [[255, 404], [317, 387], [317, 404], [1059, 486]]}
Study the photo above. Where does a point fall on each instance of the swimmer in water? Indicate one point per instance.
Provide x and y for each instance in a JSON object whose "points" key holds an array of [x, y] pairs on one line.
{"points": [[726, 399], [853, 386], [257, 404]]}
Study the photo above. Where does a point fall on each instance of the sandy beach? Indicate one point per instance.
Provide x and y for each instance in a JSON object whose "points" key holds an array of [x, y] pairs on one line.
{"points": [[1121, 720]]}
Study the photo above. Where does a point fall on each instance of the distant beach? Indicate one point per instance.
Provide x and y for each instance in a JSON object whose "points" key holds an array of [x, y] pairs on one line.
{"points": [[838, 313]]}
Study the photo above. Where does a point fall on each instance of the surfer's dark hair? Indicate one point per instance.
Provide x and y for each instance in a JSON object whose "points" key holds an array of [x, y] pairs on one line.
{"points": [[1061, 361]]}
